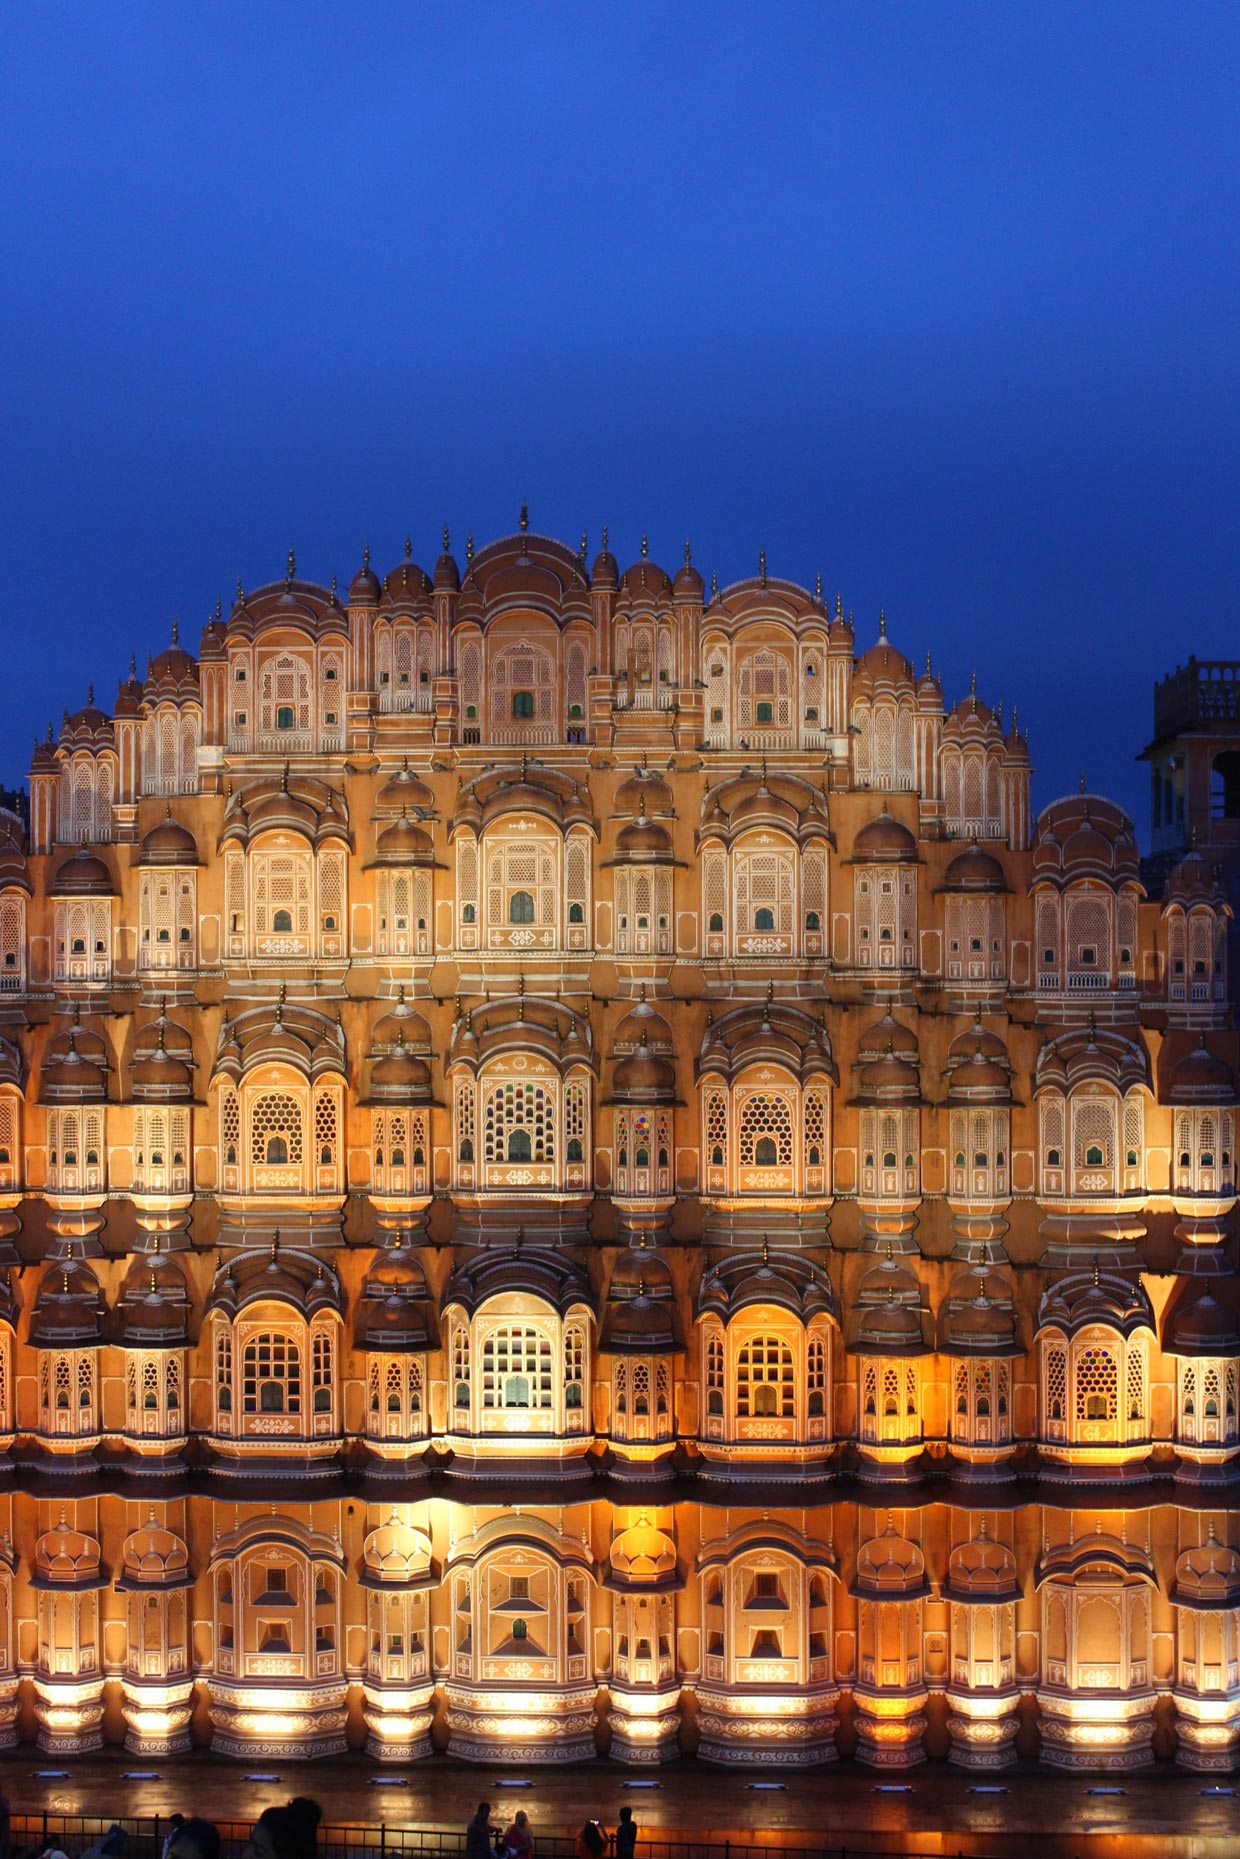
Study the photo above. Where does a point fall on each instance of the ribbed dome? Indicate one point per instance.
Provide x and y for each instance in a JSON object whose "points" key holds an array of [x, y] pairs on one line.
{"points": [[644, 1077], [83, 875], [884, 841], [1202, 1078], [404, 789], [974, 870], [403, 842], [169, 843], [644, 838]]}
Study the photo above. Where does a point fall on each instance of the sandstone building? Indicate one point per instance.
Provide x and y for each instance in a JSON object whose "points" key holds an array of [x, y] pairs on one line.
{"points": [[577, 1172]]}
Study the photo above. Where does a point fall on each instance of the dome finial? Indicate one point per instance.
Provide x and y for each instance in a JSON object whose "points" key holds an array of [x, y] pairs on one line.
{"points": [[762, 566], [839, 606], [469, 545], [688, 553], [818, 587], [584, 550], [445, 539], [275, 1243], [284, 779], [292, 564], [366, 556], [1082, 781], [645, 546], [714, 585], [604, 538], [973, 683], [882, 622], [90, 693], [408, 548], [133, 665], [524, 518], [176, 633]]}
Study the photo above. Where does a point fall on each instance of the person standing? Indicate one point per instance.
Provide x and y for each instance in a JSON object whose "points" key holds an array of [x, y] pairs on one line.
{"points": [[626, 1835], [479, 1833]]}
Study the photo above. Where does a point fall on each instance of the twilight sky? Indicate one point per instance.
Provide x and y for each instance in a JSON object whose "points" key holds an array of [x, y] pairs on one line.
{"points": [[940, 300]]}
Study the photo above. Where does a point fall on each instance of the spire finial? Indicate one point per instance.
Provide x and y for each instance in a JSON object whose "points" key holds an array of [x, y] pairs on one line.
{"points": [[882, 623], [645, 546], [90, 693], [584, 550], [1097, 1274], [762, 566], [469, 545], [524, 518], [445, 539], [408, 548], [818, 587], [1082, 780], [284, 779], [604, 538], [839, 606], [366, 556], [292, 563], [688, 553], [275, 1243], [714, 585], [973, 683], [133, 665], [176, 633]]}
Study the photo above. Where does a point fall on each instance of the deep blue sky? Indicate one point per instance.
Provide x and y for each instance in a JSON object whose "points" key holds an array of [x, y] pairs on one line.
{"points": [[939, 299]]}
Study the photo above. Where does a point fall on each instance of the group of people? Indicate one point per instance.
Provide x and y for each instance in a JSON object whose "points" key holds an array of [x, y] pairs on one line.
{"points": [[288, 1832], [484, 1841]]}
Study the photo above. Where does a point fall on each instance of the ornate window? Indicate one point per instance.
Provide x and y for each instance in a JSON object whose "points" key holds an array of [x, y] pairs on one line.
{"points": [[641, 1398], [890, 1153], [10, 1140], [75, 1152], [981, 1402], [161, 1151], [975, 938], [521, 892], [533, 1372], [154, 1394], [12, 942], [170, 750], [1094, 1388], [68, 1393], [643, 1152], [781, 1136], [980, 1148], [285, 706], [83, 933], [524, 692], [890, 1401], [885, 916], [400, 1152], [403, 906], [396, 1397]]}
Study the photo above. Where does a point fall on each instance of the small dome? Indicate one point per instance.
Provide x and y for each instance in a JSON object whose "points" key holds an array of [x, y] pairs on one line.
{"points": [[1208, 1576], [982, 1571], [644, 1076], [402, 1024], [404, 789], [643, 1555], [1203, 1328], [67, 1558], [888, 1035], [643, 1025], [169, 843], [153, 1557], [643, 838], [884, 841], [83, 875], [882, 665], [641, 1316], [974, 870], [400, 1073], [890, 1565], [688, 583], [403, 842], [891, 1329], [643, 792], [1202, 1078], [364, 587]]}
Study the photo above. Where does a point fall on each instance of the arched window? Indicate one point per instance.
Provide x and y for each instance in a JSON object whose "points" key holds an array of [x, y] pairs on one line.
{"points": [[285, 716], [523, 703], [520, 907], [519, 1149]]}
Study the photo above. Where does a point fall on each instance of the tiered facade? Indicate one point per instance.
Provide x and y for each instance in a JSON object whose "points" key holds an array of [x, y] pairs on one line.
{"points": [[575, 1172]]}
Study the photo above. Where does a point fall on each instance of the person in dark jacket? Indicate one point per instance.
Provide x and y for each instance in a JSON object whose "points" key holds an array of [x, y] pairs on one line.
{"points": [[626, 1835], [479, 1833]]}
